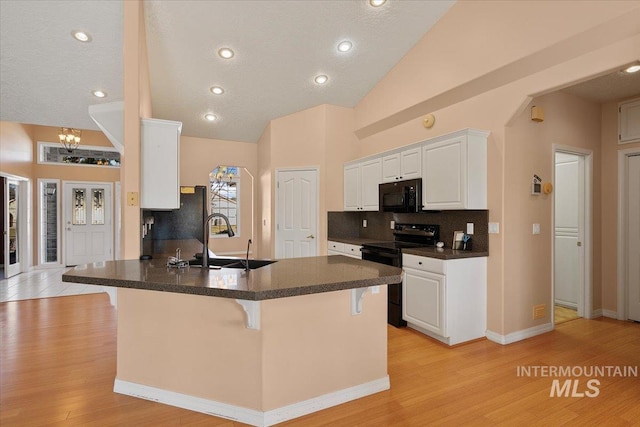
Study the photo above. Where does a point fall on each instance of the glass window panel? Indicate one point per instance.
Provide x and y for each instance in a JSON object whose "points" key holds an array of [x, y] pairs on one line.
{"points": [[79, 206], [14, 254], [225, 190], [49, 222], [97, 206]]}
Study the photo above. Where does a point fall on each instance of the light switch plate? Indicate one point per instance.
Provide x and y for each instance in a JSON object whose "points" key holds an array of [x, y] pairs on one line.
{"points": [[494, 228], [469, 228], [133, 198], [364, 223], [392, 225], [536, 228]]}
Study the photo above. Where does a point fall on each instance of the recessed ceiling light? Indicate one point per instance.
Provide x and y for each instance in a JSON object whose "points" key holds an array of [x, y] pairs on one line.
{"points": [[345, 46], [217, 90], [210, 117], [226, 53], [99, 93], [81, 36], [632, 69], [377, 3], [321, 79]]}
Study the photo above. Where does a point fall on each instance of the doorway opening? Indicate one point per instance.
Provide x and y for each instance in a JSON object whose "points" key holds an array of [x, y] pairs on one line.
{"points": [[629, 234], [571, 289]]}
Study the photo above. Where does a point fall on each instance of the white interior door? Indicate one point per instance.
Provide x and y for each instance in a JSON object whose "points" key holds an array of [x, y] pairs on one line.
{"points": [[568, 232], [297, 213], [14, 206], [87, 212], [633, 238]]}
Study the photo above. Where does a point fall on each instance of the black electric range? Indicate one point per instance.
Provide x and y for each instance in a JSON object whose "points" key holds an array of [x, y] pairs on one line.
{"points": [[390, 253]]}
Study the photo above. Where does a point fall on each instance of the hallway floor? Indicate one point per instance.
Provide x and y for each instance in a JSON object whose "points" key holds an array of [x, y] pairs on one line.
{"points": [[41, 284]]}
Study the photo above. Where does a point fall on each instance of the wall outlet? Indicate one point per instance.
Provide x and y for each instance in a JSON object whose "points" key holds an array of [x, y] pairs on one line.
{"points": [[133, 198], [364, 223], [469, 228], [539, 311], [392, 225], [536, 228], [494, 228]]}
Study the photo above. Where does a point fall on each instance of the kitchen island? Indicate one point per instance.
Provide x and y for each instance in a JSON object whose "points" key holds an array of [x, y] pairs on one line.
{"points": [[260, 347]]}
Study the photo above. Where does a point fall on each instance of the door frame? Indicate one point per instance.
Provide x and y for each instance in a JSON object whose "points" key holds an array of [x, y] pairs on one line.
{"points": [[623, 288], [25, 233], [276, 233], [585, 294], [63, 211]]}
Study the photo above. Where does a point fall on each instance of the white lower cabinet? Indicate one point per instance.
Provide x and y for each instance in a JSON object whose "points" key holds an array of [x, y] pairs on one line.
{"points": [[445, 299], [338, 248]]}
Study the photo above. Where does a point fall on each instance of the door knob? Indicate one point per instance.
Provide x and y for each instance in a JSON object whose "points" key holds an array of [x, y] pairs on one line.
{"points": [[579, 243], [311, 236]]}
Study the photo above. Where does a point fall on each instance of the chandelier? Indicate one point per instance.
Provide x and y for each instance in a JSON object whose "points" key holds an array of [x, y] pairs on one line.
{"points": [[70, 138]]}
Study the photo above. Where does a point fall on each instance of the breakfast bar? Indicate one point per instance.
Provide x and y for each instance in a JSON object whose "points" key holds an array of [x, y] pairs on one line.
{"points": [[259, 346]]}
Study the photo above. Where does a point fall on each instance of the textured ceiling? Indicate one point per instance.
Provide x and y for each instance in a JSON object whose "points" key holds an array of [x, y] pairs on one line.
{"points": [[46, 77], [280, 46], [617, 85]]}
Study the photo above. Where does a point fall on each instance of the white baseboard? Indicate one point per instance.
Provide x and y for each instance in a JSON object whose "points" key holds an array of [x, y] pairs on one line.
{"points": [[610, 314], [519, 335], [250, 416]]}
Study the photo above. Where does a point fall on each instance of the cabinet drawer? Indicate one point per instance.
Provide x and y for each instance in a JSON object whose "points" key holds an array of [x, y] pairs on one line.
{"points": [[335, 246], [433, 265], [352, 250]]}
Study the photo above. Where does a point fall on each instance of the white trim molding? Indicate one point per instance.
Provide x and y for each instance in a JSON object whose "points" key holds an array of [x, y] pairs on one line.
{"points": [[246, 415], [519, 335]]}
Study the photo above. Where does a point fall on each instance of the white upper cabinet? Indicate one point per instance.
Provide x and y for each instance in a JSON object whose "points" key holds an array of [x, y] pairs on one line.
{"points": [[629, 121], [455, 171], [361, 182], [402, 165], [160, 164]]}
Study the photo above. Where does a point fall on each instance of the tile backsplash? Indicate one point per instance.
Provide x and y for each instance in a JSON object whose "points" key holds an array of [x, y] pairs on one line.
{"points": [[349, 224]]}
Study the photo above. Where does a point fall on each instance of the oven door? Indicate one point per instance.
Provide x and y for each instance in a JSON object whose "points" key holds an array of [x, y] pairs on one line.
{"points": [[381, 257]]}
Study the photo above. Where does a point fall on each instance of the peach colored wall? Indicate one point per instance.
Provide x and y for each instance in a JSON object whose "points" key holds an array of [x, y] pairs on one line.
{"points": [[466, 86], [265, 186], [298, 141], [199, 156], [307, 346], [569, 121], [137, 105], [320, 137], [502, 41], [65, 172], [609, 213], [16, 149]]}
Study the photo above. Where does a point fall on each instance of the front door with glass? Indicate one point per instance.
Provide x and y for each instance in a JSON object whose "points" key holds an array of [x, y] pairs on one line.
{"points": [[88, 224]]}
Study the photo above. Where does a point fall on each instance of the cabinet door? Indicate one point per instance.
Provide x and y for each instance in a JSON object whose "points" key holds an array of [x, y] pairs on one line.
{"points": [[629, 122], [391, 167], [423, 300], [352, 188], [371, 176], [159, 164], [445, 174], [411, 163]]}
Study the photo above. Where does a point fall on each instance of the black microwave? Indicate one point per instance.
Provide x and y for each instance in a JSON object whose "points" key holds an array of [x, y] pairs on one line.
{"points": [[401, 196]]}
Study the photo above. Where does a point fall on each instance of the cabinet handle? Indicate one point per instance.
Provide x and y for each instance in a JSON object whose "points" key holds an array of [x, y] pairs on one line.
{"points": [[419, 262]]}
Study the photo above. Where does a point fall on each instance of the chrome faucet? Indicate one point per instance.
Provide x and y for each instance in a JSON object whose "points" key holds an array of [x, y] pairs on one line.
{"points": [[205, 242], [246, 261]]}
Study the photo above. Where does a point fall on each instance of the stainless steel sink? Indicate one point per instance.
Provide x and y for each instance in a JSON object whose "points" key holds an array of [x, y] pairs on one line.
{"points": [[232, 263]]}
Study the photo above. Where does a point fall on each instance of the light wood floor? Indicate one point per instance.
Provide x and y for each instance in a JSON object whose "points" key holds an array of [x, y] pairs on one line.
{"points": [[58, 363], [564, 314]]}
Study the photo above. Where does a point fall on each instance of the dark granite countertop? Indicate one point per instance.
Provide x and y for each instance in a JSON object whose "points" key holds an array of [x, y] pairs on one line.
{"points": [[444, 253], [284, 278]]}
